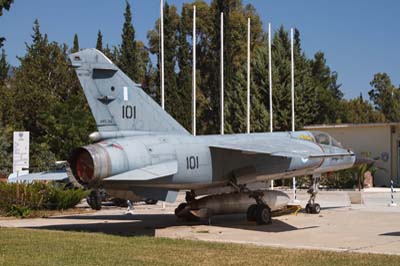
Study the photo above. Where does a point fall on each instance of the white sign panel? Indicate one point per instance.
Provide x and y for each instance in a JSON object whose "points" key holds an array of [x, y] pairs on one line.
{"points": [[21, 151]]}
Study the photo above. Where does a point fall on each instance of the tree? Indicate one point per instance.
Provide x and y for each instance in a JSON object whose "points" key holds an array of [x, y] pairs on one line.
{"points": [[5, 150], [360, 111], [4, 4], [328, 90], [306, 94], [177, 65], [128, 60], [385, 96], [4, 67], [75, 47], [184, 77], [50, 102], [99, 42]]}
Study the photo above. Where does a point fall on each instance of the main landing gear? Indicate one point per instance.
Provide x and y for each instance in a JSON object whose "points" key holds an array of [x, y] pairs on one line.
{"points": [[312, 206], [259, 212], [94, 199], [183, 209]]}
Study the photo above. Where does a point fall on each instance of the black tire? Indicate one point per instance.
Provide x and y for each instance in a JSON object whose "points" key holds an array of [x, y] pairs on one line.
{"points": [[150, 201], [180, 208], [308, 208], [94, 200], [252, 213], [316, 209], [263, 215], [120, 202]]}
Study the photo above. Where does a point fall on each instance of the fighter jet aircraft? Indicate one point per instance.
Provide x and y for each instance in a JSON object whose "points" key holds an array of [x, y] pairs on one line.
{"points": [[140, 151]]}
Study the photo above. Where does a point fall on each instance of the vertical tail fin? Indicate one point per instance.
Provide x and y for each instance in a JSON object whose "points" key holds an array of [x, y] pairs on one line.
{"points": [[116, 102]]}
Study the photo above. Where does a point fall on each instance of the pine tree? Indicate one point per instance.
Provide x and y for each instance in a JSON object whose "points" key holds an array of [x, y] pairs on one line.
{"points": [[75, 47], [128, 60], [184, 80], [260, 89], [4, 4], [99, 42], [171, 24], [329, 94], [306, 94], [4, 67], [281, 80]]}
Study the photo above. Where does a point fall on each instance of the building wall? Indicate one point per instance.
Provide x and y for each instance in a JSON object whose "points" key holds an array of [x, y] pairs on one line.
{"points": [[373, 141], [395, 131]]}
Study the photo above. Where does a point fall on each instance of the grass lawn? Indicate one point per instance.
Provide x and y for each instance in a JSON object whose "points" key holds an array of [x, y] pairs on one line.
{"points": [[43, 247]]}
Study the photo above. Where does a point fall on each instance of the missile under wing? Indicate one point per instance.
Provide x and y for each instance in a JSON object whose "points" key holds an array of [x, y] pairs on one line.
{"points": [[140, 151]]}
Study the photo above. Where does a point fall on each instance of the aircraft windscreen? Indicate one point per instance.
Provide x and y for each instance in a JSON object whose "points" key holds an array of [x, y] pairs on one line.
{"points": [[322, 138], [336, 143], [325, 139]]}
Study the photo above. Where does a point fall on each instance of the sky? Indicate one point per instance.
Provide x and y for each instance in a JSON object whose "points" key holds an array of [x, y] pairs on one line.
{"points": [[358, 37]]}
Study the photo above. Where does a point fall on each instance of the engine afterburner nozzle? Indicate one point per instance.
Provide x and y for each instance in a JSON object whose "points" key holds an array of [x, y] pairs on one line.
{"points": [[90, 164]]}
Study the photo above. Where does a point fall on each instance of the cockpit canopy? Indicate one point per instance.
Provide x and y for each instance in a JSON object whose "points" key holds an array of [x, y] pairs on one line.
{"points": [[318, 137], [325, 139]]}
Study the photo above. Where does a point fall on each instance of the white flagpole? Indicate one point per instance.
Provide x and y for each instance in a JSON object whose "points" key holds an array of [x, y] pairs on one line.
{"points": [[293, 115], [222, 73], [270, 79], [292, 59], [194, 75], [271, 128], [248, 75], [162, 52]]}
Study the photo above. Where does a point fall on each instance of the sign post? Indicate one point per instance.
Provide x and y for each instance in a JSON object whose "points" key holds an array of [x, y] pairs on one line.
{"points": [[20, 156], [21, 152]]}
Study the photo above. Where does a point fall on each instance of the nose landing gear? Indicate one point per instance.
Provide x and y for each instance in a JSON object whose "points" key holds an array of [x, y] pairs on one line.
{"points": [[312, 206]]}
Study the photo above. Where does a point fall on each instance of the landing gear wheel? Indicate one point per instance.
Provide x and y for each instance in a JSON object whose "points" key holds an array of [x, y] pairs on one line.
{"points": [[150, 201], [316, 209], [252, 213], [182, 213], [313, 208], [120, 202], [308, 208], [94, 200], [263, 215], [179, 209]]}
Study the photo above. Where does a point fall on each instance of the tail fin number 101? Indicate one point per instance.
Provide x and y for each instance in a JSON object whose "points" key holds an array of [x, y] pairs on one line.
{"points": [[128, 112]]}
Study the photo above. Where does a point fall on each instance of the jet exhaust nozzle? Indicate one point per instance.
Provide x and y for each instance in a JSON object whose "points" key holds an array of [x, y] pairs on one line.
{"points": [[90, 164]]}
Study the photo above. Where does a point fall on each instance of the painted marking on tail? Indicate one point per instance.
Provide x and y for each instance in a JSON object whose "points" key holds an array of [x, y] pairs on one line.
{"points": [[125, 93]]}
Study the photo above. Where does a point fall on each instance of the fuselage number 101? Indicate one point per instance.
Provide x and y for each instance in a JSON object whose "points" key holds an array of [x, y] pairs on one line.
{"points": [[192, 162]]}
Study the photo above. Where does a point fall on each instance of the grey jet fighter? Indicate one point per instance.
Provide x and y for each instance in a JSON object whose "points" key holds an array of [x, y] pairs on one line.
{"points": [[140, 151]]}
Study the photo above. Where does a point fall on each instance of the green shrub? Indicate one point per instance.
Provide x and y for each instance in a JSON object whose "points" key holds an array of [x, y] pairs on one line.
{"points": [[19, 211], [20, 199]]}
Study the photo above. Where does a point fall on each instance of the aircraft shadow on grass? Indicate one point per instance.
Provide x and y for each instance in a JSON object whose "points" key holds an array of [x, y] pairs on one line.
{"points": [[147, 224]]}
